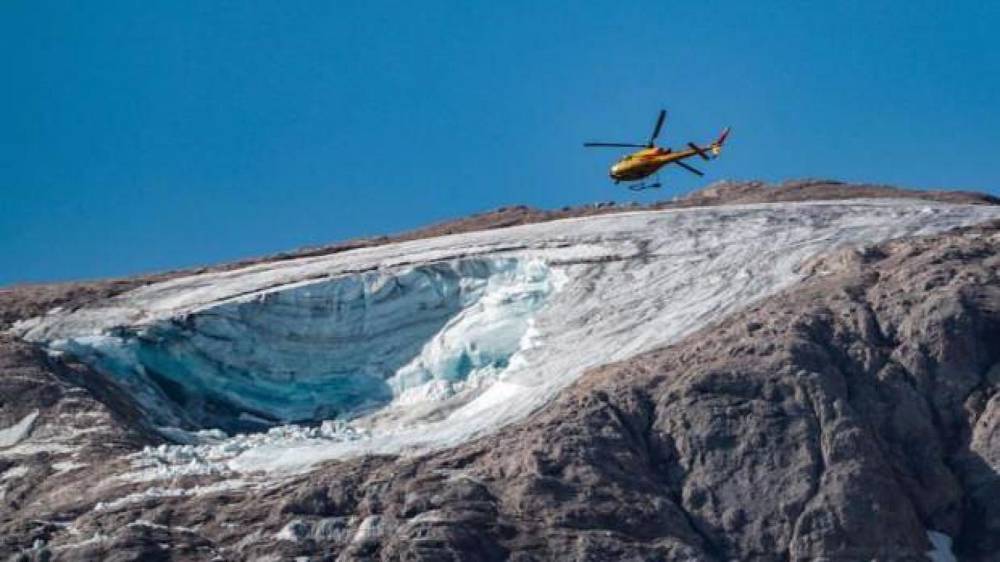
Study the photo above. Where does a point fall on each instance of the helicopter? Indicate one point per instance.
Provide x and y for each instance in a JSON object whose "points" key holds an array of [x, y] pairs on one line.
{"points": [[641, 164]]}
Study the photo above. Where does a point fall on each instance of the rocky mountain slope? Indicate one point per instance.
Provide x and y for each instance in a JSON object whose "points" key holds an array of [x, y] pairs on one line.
{"points": [[762, 382]]}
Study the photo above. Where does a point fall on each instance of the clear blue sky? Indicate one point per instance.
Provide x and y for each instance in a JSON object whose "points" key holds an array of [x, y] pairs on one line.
{"points": [[138, 136]]}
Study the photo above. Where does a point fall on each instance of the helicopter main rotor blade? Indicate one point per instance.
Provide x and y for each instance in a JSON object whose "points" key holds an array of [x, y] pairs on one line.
{"points": [[614, 144], [699, 151], [691, 169], [656, 129]]}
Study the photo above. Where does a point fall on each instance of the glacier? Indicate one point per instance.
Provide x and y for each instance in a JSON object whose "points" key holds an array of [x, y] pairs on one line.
{"points": [[326, 350], [427, 343]]}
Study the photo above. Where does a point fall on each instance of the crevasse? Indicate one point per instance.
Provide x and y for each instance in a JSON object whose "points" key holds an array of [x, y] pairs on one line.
{"points": [[328, 350]]}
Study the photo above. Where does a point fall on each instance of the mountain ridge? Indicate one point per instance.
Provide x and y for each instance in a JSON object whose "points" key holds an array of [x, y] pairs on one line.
{"points": [[719, 193], [847, 416]]}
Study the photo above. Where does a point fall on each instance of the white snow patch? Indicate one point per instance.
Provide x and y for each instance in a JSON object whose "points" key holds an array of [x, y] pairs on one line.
{"points": [[326, 529], [370, 530], [941, 547], [157, 492], [52, 438], [293, 531], [66, 466], [150, 525], [16, 433], [38, 444], [96, 538], [15, 471]]}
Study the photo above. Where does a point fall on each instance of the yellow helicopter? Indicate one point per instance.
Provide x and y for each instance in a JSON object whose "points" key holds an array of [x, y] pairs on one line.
{"points": [[643, 163]]}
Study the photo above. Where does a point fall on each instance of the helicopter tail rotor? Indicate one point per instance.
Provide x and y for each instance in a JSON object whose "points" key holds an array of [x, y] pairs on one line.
{"points": [[716, 147]]}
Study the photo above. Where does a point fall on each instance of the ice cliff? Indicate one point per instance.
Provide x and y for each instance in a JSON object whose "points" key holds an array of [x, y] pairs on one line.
{"points": [[325, 350]]}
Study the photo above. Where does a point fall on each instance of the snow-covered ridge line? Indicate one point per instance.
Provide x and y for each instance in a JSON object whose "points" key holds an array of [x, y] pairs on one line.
{"points": [[472, 331], [189, 293]]}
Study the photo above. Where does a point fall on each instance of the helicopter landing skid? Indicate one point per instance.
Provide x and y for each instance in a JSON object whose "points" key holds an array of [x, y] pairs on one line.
{"points": [[643, 186]]}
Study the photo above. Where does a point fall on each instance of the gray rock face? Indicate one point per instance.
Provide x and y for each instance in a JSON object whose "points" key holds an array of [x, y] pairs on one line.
{"points": [[839, 420]]}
